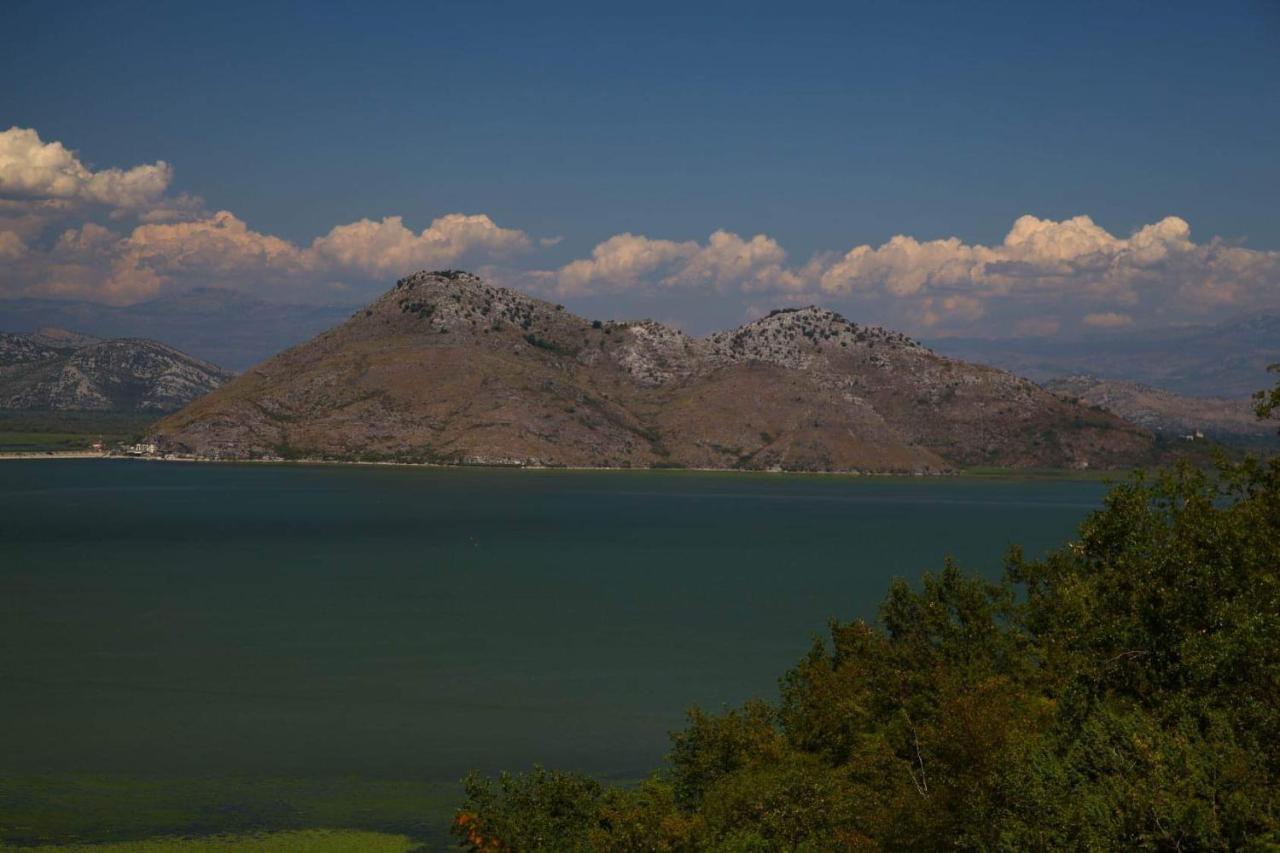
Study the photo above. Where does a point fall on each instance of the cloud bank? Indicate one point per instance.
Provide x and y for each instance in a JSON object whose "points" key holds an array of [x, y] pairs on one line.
{"points": [[121, 235], [1045, 271], [52, 244]]}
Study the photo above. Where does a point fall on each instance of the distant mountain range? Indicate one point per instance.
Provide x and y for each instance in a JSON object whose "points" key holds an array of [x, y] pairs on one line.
{"points": [[1225, 360], [225, 327], [1231, 421], [236, 330], [54, 369], [447, 368]]}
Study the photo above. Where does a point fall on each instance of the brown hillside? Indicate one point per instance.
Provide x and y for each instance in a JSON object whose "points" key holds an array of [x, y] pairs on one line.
{"points": [[446, 368]]}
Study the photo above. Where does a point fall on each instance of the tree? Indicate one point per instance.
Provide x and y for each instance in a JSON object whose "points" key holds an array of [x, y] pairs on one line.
{"points": [[1267, 402]]}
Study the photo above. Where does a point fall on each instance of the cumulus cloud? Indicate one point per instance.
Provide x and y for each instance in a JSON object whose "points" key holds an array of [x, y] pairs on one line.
{"points": [[222, 250], [1042, 274], [1035, 253], [1074, 262], [174, 243], [33, 169], [727, 260], [1075, 256], [387, 247], [1043, 277], [97, 263], [627, 261], [215, 250], [622, 262]]}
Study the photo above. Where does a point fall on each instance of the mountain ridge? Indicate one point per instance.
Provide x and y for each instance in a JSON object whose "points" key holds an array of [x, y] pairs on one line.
{"points": [[1227, 359], [229, 328], [59, 370], [444, 367], [1230, 420]]}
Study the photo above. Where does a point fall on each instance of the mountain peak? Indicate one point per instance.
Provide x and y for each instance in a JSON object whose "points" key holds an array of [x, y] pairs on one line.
{"points": [[795, 337], [446, 368], [425, 277]]}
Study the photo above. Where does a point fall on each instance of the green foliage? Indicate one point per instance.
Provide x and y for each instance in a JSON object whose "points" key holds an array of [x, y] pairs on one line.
{"points": [[1268, 402], [540, 810], [37, 431], [549, 345], [1123, 692]]}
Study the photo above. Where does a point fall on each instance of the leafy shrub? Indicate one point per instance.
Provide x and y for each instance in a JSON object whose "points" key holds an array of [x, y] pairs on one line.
{"points": [[550, 346]]}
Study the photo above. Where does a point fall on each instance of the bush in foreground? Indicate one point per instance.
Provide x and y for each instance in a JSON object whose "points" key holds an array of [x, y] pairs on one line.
{"points": [[1123, 692]]}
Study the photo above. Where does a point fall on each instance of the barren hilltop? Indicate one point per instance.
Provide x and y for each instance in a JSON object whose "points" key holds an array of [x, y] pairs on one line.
{"points": [[446, 368]]}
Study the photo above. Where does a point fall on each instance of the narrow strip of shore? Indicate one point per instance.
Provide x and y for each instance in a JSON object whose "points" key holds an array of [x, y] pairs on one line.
{"points": [[202, 460], [56, 454], [1099, 474]]}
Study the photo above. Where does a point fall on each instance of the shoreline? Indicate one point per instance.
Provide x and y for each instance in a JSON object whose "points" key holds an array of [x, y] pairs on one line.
{"points": [[56, 454], [962, 473]]}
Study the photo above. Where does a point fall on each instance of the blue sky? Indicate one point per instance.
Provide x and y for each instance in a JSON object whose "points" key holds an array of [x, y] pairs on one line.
{"points": [[822, 126]]}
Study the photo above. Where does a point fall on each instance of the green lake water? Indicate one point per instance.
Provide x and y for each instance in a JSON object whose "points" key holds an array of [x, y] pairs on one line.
{"points": [[196, 647]]}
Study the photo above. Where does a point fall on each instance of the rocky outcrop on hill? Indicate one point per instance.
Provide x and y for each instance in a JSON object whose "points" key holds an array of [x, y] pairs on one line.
{"points": [[447, 368], [57, 369]]}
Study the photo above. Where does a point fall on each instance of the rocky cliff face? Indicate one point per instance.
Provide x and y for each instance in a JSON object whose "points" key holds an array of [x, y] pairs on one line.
{"points": [[446, 368], [56, 369]]}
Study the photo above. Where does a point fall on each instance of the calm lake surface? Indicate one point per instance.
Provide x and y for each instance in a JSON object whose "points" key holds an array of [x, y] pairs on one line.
{"points": [[184, 621]]}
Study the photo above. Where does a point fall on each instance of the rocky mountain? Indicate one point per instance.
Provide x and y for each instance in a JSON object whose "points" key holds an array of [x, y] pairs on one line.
{"points": [[1228, 359], [446, 368], [1164, 412], [57, 369], [226, 327]]}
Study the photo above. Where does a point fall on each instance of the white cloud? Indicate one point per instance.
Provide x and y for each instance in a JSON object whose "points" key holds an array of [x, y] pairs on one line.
{"points": [[96, 263], [1035, 253], [623, 261], [629, 261], [388, 248], [37, 170], [174, 243], [214, 249], [1044, 276], [904, 266], [727, 260], [1072, 259]]}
